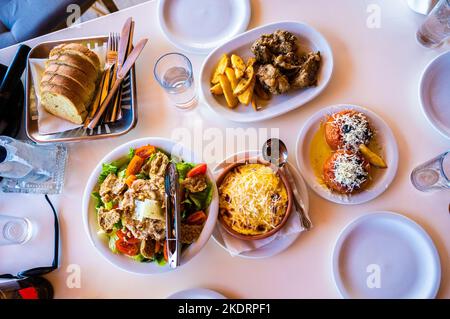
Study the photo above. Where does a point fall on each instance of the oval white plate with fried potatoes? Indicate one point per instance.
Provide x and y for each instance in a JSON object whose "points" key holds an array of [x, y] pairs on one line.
{"points": [[309, 40]]}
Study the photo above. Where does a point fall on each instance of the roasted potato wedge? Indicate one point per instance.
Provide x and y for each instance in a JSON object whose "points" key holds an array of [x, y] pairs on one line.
{"points": [[216, 89], [229, 72], [245, 82], [250, 62], [232, 101], [224, 62], [238, 65], [246, 97], [373, 158]]}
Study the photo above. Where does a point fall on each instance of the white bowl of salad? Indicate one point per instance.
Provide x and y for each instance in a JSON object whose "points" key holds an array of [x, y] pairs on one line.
{"points": [[123, 204]]}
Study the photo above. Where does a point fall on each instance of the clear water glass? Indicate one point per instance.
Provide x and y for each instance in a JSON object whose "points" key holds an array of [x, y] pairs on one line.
{"points": [[436, 27], [173, 71], [14, 230], [433, 174]]}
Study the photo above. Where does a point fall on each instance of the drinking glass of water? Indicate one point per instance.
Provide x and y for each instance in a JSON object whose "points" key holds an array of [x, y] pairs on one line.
{"points": [[436, 27], [174, 73], [432, 175], [14, 230]]}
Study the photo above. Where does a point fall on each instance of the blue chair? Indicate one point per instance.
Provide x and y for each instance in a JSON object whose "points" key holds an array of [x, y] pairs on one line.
{"points": [[21, 20]]}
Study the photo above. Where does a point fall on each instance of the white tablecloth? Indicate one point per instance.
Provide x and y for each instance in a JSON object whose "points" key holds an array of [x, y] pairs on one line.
{"points": [[374, 67]]}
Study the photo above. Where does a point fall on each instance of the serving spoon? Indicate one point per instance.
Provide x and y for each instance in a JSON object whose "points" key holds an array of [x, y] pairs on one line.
{"points": [[275, 152]]}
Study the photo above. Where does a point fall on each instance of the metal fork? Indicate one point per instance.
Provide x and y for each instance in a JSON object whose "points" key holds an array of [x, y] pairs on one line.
{"points": [[111, 69]]}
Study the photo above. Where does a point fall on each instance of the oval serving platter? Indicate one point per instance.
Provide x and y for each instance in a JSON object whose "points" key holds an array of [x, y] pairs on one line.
{"points": [[309, 39]]}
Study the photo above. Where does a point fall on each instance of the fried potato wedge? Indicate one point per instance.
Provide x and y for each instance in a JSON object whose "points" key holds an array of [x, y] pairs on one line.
{"points": [[238, 65], [229, 72], [250, 62], [224, 62], [246, 97], [244, 83], [373, 158], [216, 89], [232, 101]]}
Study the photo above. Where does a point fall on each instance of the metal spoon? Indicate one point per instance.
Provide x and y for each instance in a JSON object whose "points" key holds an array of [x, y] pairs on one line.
{"points": [[275, 152]]}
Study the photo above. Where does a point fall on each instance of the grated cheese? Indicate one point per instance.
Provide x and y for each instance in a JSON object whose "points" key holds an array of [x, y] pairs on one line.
{"points": [[255, 197], [349, 171], [354, 128]]}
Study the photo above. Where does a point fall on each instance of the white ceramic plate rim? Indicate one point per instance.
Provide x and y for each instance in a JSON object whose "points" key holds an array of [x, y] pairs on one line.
{"points": [[273, 110], [196, 293], [384, 214], [241, 27], [443, 130], [286, 241], [88, 208], [378, 186]]}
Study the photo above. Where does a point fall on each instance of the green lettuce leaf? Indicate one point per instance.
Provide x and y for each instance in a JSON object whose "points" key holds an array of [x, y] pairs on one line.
{"points": [[183, 168], [106, 170], [97, 200], [130, 153], [112, 242], [202, 199]]}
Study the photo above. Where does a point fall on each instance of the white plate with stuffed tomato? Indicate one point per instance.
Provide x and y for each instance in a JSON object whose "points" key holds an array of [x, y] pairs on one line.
{"points": [[347, 154]]}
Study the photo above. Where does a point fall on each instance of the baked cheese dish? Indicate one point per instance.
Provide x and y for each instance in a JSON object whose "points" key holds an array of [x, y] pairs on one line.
{"points": [[252, 199]]}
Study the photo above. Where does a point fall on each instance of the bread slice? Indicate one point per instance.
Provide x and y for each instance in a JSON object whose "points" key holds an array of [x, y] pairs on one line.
{"points": [[63, 103], [68, 83], [72, 73], [74, 61], [77, 49]]}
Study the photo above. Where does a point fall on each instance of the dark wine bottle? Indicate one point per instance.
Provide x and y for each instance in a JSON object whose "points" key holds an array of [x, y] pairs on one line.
{"points": [[28, 288]]}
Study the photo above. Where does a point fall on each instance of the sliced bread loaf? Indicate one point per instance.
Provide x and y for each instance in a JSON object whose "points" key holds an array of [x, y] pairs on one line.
{"points": [[77, 49], [75, 61], [72, 73], [63, 103], [66, 82]]}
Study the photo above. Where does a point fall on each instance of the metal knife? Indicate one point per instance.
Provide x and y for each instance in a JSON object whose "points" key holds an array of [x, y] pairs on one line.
{"points": [[125, 47], [129, 62], [173, 215], [304, 218]]}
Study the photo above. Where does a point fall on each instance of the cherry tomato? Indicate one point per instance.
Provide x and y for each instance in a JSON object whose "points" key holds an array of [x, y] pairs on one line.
{"points": [[134, 166], [197, 218], [127, 248], [199, 169], [128, 240], [145, 151]]}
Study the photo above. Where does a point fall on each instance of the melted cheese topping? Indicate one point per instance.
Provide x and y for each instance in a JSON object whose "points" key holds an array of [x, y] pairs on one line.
{"points": [[354, 128], [253, 199], [349, 171]]}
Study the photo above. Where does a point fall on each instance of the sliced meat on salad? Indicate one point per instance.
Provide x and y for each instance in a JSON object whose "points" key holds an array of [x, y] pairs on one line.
{"points": [[131, 203]]}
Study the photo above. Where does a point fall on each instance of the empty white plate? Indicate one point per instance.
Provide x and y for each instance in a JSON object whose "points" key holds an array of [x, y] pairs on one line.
{"points": [[197, 293], [434, 93], [386, 255], [198, 26]]}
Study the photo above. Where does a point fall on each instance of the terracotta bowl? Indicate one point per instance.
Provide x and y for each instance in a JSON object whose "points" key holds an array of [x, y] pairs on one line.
{"points": [[280, 174]]}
